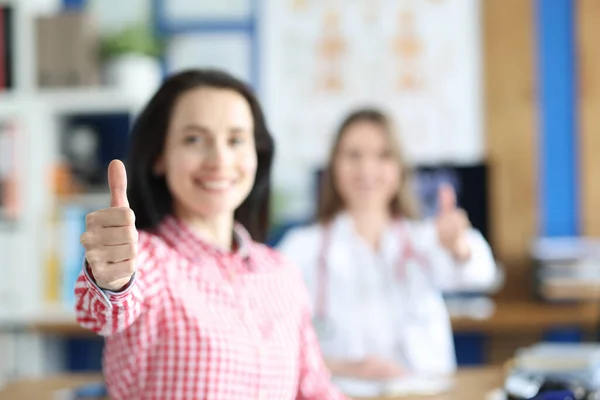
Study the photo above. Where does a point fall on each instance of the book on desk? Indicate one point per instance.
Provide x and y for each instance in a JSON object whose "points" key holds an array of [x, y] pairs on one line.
{"points": [[566, 268], [404, 386], [94, 391]]}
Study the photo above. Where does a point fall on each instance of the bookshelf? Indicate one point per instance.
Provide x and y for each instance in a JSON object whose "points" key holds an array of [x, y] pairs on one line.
{"points": [[41, 117], [8, 99], [89, 101]]}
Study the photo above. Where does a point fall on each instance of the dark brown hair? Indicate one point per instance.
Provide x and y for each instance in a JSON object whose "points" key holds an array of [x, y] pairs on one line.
{"points": [[402, 205]]}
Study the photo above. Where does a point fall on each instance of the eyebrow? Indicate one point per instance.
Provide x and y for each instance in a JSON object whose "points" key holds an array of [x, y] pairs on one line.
{"points": [[204, 129], [196, 127]]}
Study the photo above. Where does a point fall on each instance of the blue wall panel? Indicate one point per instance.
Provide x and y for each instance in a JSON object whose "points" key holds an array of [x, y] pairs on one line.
{"points": [[558, 144]]}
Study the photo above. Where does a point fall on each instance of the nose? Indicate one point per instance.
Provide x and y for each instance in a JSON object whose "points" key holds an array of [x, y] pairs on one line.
{"points": [[219, 155], [367, 167]]}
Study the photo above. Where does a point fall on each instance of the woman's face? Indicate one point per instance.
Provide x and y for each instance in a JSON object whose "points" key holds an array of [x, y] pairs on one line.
{"points": [[209, 159], [366, 172]]}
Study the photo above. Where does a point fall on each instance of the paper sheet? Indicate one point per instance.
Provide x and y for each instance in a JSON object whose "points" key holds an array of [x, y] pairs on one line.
{"points": [[408, 386], [496, 394]]}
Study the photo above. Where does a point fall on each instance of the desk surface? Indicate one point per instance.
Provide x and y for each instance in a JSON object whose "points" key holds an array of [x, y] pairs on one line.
{"points": [[45, 389], [531, 317], [510, 316], [518, 316], [469, 384]]}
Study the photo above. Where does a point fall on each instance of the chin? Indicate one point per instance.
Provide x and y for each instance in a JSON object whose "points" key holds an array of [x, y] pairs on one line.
{"points": [[207, 213], [211, 203], [370, 204]]}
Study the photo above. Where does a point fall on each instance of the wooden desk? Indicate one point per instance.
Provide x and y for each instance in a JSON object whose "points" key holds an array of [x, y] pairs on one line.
{"points": [[518, 316], [522, 316], [470, 384], [517, 324], [45, 389], [514, 324]]}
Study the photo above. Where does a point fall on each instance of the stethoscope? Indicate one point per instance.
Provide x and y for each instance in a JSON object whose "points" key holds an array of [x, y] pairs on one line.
{"points": [[322, 322]]}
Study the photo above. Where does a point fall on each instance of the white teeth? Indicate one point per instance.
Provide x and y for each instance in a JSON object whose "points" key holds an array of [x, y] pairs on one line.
{"points": [[216, 185]]}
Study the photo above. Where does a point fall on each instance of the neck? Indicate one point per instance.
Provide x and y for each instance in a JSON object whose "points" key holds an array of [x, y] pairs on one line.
{"points": [[216, 230], [370, 224]]}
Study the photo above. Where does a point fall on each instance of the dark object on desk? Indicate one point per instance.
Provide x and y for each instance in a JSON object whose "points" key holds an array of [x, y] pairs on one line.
{"points": [[536, 388], [560, 395]]}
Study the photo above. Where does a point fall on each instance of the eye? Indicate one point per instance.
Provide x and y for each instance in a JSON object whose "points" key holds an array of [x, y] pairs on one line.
{"points": [[386, 155], [353, 154], [236, 141], [192, 139]]}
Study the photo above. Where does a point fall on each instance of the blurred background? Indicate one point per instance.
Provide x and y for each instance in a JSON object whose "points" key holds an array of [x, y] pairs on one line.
{"points": [[499, 97]]}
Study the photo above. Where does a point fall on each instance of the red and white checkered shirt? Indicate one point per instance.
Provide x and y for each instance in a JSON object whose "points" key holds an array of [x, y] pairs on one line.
{"points": [[199, 322]]}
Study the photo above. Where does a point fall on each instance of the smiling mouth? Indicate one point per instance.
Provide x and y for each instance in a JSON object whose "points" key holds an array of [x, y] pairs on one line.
{"points": [[219, 185], [365, 186]]}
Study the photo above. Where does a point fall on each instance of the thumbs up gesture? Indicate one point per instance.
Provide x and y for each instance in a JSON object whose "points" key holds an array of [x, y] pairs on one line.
{"points": [[110, 238], [452, 224]]}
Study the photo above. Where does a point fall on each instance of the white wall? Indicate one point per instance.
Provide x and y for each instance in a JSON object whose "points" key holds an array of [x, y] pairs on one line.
{"points": [[113, 15], [440, 118]]}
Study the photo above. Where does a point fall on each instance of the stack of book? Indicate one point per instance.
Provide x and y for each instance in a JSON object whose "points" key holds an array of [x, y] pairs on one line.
{"points": [[9, 199], [567, 268], [6, 48]]}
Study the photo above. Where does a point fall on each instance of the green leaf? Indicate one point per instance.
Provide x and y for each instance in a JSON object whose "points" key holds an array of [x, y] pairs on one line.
{"points": [[137, 39]]}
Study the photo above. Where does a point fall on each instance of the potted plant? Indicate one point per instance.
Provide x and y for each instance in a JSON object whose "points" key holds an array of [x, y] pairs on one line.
{"points": [[131, 60]]}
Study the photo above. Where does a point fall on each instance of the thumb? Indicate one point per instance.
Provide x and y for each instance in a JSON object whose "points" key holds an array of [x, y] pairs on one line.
{"points": [[446, 198], [117, 182]]}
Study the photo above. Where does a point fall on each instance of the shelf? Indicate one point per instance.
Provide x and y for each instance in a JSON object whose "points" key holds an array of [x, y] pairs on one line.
{"points": [[50, 319], [93, 199], [8, 95], [83, 100], [46, 314], [88, 100], [11, 103]]}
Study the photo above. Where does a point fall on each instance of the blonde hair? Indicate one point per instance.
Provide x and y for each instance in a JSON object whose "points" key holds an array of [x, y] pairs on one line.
{"points": [[403, 204]]}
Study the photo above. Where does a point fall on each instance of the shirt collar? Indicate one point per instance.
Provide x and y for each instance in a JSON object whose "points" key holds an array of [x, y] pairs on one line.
{"points": [[183, 239], [342, 225], [343, 228]]}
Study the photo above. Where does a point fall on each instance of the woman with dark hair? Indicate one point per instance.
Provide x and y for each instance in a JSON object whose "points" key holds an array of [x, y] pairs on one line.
{"points": [[191, 304], [375, 270]]}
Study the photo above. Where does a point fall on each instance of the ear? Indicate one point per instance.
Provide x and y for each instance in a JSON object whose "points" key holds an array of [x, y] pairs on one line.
{"points": [[159, 168]]}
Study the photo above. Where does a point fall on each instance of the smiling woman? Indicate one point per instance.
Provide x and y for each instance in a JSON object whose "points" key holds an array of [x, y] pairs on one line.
{"points": [[375, 269], [191, 304], [209, 159], [210, 113]]}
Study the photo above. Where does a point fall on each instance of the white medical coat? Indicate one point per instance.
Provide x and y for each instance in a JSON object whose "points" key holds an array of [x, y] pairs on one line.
{"points": [[374, 311]]}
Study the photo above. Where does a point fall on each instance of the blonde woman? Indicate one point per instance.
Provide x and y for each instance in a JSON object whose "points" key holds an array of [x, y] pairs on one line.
{"points": [[375, 270]]}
